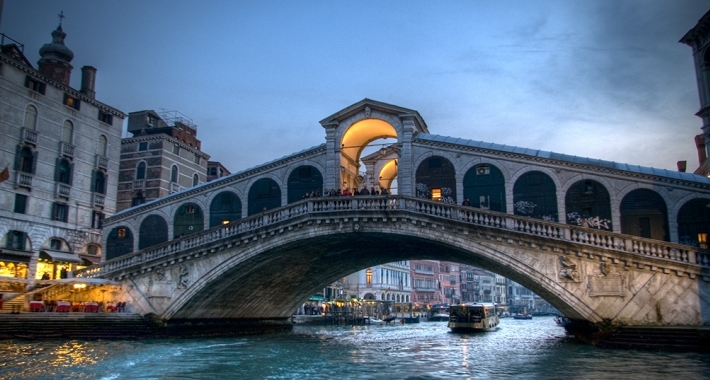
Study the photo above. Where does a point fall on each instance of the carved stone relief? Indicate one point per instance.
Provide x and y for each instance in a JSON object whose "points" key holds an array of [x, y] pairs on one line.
{"points": [[162, 287], [568, 270], [184, 280], [608, 282]]}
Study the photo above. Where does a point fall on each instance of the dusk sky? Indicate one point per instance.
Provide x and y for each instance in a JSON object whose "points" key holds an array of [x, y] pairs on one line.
{"points": [[603, 79]]}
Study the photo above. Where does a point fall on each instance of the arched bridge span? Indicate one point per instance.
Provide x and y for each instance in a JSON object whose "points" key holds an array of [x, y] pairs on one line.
{"points": [[264, 266]]}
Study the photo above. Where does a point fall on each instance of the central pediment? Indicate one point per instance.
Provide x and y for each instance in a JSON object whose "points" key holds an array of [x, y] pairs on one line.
{"points": [[367, 106]]}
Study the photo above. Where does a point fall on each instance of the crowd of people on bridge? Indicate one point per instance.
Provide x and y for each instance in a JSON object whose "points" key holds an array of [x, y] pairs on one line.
{"points": [[346, 193]]}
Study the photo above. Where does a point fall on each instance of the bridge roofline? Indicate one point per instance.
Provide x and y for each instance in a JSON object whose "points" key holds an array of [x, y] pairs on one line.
{"points": [[376, 105], [567, 160]]}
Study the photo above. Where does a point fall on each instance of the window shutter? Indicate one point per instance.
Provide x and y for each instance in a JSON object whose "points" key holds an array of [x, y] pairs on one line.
{"points": [[18, 157], [105, 184], [57, 169], [54, 212], [34, 161], [71, 174], [93, 181]]}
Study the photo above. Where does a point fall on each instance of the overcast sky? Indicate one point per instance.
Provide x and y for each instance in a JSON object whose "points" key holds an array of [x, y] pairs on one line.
{"points": [[601, 79]]}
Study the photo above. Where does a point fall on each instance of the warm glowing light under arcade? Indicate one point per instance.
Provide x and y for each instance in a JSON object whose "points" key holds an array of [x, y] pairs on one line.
{"points": [[362, 133], [79, 286], [388, 173], [436, 194]]}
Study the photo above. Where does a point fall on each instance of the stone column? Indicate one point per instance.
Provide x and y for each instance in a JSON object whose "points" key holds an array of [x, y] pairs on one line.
{"points": [[405, 174], [332, 157]]}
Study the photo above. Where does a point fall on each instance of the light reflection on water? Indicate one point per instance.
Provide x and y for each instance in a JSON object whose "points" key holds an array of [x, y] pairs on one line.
{"points": [[531, 349]]}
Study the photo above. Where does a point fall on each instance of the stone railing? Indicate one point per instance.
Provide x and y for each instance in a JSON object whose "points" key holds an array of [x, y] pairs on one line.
{"points": [[23, 179], [62, 190], [466, 215]]}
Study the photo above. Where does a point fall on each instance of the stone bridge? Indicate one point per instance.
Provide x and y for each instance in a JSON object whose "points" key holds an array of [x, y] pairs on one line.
{"points": [[604, 242], [265, 266]]}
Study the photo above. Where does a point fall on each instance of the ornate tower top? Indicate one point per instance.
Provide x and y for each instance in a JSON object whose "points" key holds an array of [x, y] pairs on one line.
{"points": [[56, 57]]}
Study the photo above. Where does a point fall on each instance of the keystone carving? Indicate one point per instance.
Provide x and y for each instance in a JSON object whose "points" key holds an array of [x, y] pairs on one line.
{"points": [[607, 283], [568, 270]]}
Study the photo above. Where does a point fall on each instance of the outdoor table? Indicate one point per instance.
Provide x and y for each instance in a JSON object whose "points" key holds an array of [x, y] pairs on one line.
{"points": [[63, 307], [77, 307], [91, 307], [36, 306], [110, 307]]}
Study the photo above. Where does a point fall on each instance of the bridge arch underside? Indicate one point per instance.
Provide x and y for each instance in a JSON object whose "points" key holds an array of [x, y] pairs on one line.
{"points": [[270, 282]]}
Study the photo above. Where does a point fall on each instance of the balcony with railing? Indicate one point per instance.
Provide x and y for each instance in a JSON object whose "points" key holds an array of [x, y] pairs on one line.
{"points": [[23, 179], [66, 150], [99, 200], [139, 184], [101, 162], [174, 187], [29, 136], [62, 190]]}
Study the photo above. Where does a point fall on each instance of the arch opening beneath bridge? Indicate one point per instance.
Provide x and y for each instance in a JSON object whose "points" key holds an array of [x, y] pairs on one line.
{"points": [[271, 284]]}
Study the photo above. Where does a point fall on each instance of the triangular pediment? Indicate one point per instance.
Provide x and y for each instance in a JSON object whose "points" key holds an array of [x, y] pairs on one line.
{"points": [[373, 105]]}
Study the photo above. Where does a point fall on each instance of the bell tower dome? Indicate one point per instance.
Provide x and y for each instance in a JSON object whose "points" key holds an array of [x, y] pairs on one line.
{"points": [[56, 57]]}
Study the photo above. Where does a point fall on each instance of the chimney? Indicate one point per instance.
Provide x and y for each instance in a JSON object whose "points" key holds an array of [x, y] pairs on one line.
{"points": [[88, 81], [700, 145], [682, 166]]}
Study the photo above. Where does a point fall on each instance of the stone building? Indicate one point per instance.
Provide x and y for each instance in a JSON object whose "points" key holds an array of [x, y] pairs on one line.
{"points": [[216, 170], [426, 288], [450, 280], [59, 159], [386, 282], [163, 157]]}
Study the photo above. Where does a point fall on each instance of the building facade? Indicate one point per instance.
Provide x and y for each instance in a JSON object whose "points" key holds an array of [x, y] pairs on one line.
{"points": [[426, 288], [216, 170], [59, 159], [163, 157], [386, 282]]}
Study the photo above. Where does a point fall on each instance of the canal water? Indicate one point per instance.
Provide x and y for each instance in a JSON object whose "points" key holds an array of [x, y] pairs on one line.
{"points": [[519, 349]]}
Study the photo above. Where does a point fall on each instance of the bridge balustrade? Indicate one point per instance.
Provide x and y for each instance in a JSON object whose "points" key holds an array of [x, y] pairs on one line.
{"points": [[467, 215]]}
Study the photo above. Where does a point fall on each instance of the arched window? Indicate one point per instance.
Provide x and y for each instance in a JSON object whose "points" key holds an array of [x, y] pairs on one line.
{"points": [[99, 182], [368, 276], [436, 179], [644, 214], [303, 180], [188, 219], [103, 145], [30, 118], [694, 223], [224, 208], [25, 159], [195, 180], [484, 187], [67, 131], [140, 170], [153, 231], [174, 174], [587, 204], [119, 242], [534, 195], [264, 194], [63, 171]]}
